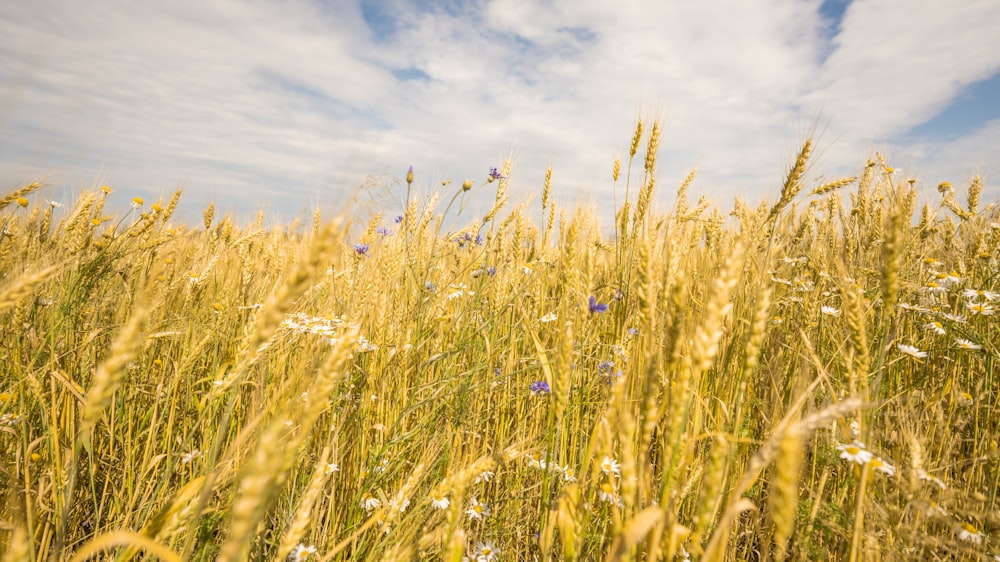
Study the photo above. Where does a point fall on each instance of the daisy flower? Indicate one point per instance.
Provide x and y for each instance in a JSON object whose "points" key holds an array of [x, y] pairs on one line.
{"points": [[606, 493], [971, 534], [536, 460], [477, 510], [956, 318], [966, 344], [935, 327], [989, 296], [440, 502], [301, 552], [922, 475], [370, 503], [855, 452], [550, 317], [610, 466], [830, 311], [882, 466], [911, 351], [978, 308], [486, 551], [485, 476]]}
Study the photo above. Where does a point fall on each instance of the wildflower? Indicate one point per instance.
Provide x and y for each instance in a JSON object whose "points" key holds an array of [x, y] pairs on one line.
{"points": [[956, 318], [384, 231], [911, 351], [971, 534], [187, 458], [362, 249], [944, 188], [137, 202], [988, 296], [922, 475], [301, 552], [855, 428], [611, 466], [55, 204], [539, 387], [477, 510], [466, 185], [106, 189], [536, 460], [932, 287], [882, 466], [597, 307], [604, 367], [10, 420], [550, 317], [979, 308], [486, 551], [398, 219], [440, 502], [855, 452], [399, 504], [830, 311], [495, 175], [331, 468], [633, 331], [966, 344], [606, 493], [429, 287], [370, 502], [409, 175], [935, 327], [486, 476]]}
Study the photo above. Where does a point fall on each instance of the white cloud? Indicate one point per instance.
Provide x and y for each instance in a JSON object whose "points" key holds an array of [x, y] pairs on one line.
{"points": [[294, 103]]}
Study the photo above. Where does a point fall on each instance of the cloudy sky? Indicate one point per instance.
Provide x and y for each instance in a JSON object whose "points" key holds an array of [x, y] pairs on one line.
{"points": [[288, 105]]}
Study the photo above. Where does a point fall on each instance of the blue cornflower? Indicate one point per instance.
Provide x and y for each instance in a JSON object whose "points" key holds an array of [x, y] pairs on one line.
{"points": [[605, 367], [496, 175], [539, 387], [431, 287], [633, 331], [398, 219], [496, 371], [597, 307], [383, 231], [491, 271], [361, 249], [619, 295], [479, 240]]}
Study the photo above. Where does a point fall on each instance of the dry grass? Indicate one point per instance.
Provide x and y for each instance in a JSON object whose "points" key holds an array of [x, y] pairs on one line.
{"points": [[688, 386]]}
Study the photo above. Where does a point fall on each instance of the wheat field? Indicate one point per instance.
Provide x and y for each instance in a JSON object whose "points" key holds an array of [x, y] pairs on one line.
{"points": [[812, 378]]}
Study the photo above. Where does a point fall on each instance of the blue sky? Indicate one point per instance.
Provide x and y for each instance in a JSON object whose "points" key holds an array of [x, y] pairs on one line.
{"points": [[285, 106]]}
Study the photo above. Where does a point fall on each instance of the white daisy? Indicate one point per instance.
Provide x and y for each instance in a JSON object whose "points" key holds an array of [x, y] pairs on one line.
{"points": [[855, 452], [911, 351], [477, 510], [611, 466], [966, 344]]}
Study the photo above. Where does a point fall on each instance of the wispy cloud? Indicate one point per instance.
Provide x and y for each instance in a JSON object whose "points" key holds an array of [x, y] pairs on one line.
{"points": [[292, 104]]}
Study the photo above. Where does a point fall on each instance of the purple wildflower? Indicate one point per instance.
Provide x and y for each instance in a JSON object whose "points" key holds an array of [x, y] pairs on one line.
{"points": [[362, 249], [496, 175], [605, 367], [398, 219], [491, 271], [597, 307], [383, 231], [539, 387]]}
